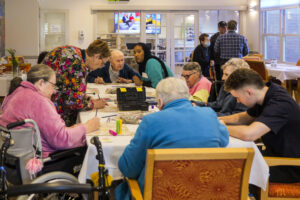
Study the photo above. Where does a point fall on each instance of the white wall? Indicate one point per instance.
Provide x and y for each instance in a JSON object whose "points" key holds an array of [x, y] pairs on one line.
{"points": [[81, 18], [22, 26]]}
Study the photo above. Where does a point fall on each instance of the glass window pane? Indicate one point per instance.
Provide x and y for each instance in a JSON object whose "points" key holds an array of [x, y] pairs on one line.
{"points": [[273, 21], [291, 49], [179, 56], [276, 3], [292, 21], [272, 47], [208, 21], [227, 15]]}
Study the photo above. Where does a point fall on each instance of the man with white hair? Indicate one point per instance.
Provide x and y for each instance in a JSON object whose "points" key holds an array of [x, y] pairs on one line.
{"points": [[114, 71], [178, 124]]}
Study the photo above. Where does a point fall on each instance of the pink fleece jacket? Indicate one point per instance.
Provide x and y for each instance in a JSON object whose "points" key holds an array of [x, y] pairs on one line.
{"points": [[26, 102]]}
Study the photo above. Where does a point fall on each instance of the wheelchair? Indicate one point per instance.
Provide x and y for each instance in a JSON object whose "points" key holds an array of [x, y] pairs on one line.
{"points": [[20, 145]]}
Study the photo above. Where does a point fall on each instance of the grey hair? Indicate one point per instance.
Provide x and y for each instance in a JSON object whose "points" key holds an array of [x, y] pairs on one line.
{"points": [[236, 63], [38, 72], [192, 66], [170, 89]]}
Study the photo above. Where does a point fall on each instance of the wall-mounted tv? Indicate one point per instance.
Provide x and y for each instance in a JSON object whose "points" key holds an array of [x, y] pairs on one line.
{"points": [[151, 20], [127, 22]]}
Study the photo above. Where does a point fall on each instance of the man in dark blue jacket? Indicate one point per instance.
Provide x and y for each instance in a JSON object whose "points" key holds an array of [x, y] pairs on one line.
{"points": [[114, 71]]}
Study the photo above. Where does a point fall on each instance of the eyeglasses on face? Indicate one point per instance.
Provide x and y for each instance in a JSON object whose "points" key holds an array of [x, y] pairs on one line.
{"points": [[188, 75], [53, 85]]}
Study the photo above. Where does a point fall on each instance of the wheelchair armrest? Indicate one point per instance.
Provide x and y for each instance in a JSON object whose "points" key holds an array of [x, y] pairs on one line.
{"points": [[65, 153]]}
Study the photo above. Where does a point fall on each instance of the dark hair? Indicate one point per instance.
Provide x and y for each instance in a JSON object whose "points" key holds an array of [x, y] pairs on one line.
{"points": [[222, 24], [147, 56], [232, 25], [242, 77], [42, 56], [36, 73], [203, 36], [98, 46]]}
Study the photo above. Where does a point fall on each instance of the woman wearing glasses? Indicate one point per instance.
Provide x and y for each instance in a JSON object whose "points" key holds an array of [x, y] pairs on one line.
{"points": [[199, 86], [68, 63], [31, 100], [151, 68]]}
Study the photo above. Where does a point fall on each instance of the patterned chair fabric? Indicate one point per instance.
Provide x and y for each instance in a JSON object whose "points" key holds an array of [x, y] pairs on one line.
{"points": [[198, 179], [284, 190]]}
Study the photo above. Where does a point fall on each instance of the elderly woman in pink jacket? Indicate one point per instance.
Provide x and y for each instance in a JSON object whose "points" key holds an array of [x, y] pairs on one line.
{"points": [[31, 100]]}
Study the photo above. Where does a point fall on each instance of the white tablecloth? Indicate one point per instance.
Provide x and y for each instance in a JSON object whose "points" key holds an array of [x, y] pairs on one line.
{"points": [[113, 147], [284, 71], [5, 83]]}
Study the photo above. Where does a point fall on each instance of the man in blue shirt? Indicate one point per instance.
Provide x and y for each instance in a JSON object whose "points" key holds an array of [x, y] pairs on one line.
{"points": [[231, 44], [179, 124]]}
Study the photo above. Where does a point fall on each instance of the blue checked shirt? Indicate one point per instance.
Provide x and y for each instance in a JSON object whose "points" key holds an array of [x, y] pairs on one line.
{"points": [[231, 45]]}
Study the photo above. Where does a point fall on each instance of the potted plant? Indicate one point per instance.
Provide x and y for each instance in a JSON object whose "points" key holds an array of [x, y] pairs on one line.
{"points": [[15, 64]]}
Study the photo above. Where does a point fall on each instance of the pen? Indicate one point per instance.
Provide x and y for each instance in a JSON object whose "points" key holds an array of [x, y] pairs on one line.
{"points": [[109, 116]]}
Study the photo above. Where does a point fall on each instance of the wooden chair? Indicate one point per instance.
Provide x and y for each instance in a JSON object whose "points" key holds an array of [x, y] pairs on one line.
{"points": [[257, 58], [200, 173], [281, 191], [259, 67]]}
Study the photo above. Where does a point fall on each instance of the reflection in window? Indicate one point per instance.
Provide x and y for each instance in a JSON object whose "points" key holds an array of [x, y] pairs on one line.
{"points": [[272, 50], [292, 21], [291, 50], [273, 21]]}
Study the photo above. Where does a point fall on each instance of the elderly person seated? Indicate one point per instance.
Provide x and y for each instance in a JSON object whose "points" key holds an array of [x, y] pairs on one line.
{"points": [[31, 99], [114, 71], [226, 104], [199, 86], [178, 125]]}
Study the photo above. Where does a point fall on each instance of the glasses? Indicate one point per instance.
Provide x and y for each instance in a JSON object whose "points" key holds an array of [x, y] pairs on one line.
{"points": [[53, 85], [103, 59], [188, 75]]}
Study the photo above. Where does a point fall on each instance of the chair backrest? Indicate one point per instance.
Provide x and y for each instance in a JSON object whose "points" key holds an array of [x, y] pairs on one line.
{"points": [[259, 67], [252, 58], [202, 173], [298, 62]]}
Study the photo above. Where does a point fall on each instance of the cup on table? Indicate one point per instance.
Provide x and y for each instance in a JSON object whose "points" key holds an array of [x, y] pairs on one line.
{"points": [[273, 63]]}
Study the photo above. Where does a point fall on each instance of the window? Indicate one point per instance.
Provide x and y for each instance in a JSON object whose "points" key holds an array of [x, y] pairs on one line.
{"points": [[281, 33], [208, 19]]}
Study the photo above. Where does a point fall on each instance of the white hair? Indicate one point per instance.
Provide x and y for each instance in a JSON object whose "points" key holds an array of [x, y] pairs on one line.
{"points": [[170, 89], [115, 52]]}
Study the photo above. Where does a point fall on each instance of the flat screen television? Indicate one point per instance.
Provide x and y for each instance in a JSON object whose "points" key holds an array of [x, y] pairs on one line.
{"points": [[128, 22], [151, 20]]}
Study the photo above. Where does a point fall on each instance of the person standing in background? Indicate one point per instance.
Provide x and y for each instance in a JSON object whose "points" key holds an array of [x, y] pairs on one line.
{"points": [[215, 58], [201, 54], [231, 44]]}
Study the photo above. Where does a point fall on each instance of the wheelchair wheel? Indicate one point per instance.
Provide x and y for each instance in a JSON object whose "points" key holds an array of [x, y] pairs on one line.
{"points": [[51, 178]]}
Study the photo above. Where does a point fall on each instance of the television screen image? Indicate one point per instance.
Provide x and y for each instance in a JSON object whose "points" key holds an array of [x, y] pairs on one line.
{"points": [[151, 20], [129, 22]]}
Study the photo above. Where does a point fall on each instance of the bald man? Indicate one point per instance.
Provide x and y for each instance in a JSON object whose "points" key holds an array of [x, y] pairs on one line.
{"points": [[114, 71]]}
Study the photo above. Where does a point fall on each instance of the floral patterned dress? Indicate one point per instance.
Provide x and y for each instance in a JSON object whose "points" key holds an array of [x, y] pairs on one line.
{"points": [[70, 70]]}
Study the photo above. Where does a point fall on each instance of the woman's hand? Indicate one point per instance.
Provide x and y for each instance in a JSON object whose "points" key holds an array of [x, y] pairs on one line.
{"points": [[137, 81], [92, 125], [99, 103]]}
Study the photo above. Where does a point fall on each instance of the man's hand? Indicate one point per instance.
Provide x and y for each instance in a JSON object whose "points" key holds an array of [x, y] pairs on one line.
{"points": [[212, 63], [123, 80], [99, 80]]}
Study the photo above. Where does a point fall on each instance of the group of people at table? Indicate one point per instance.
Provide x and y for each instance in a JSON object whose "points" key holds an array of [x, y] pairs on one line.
{"points": [[246, 107]]}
